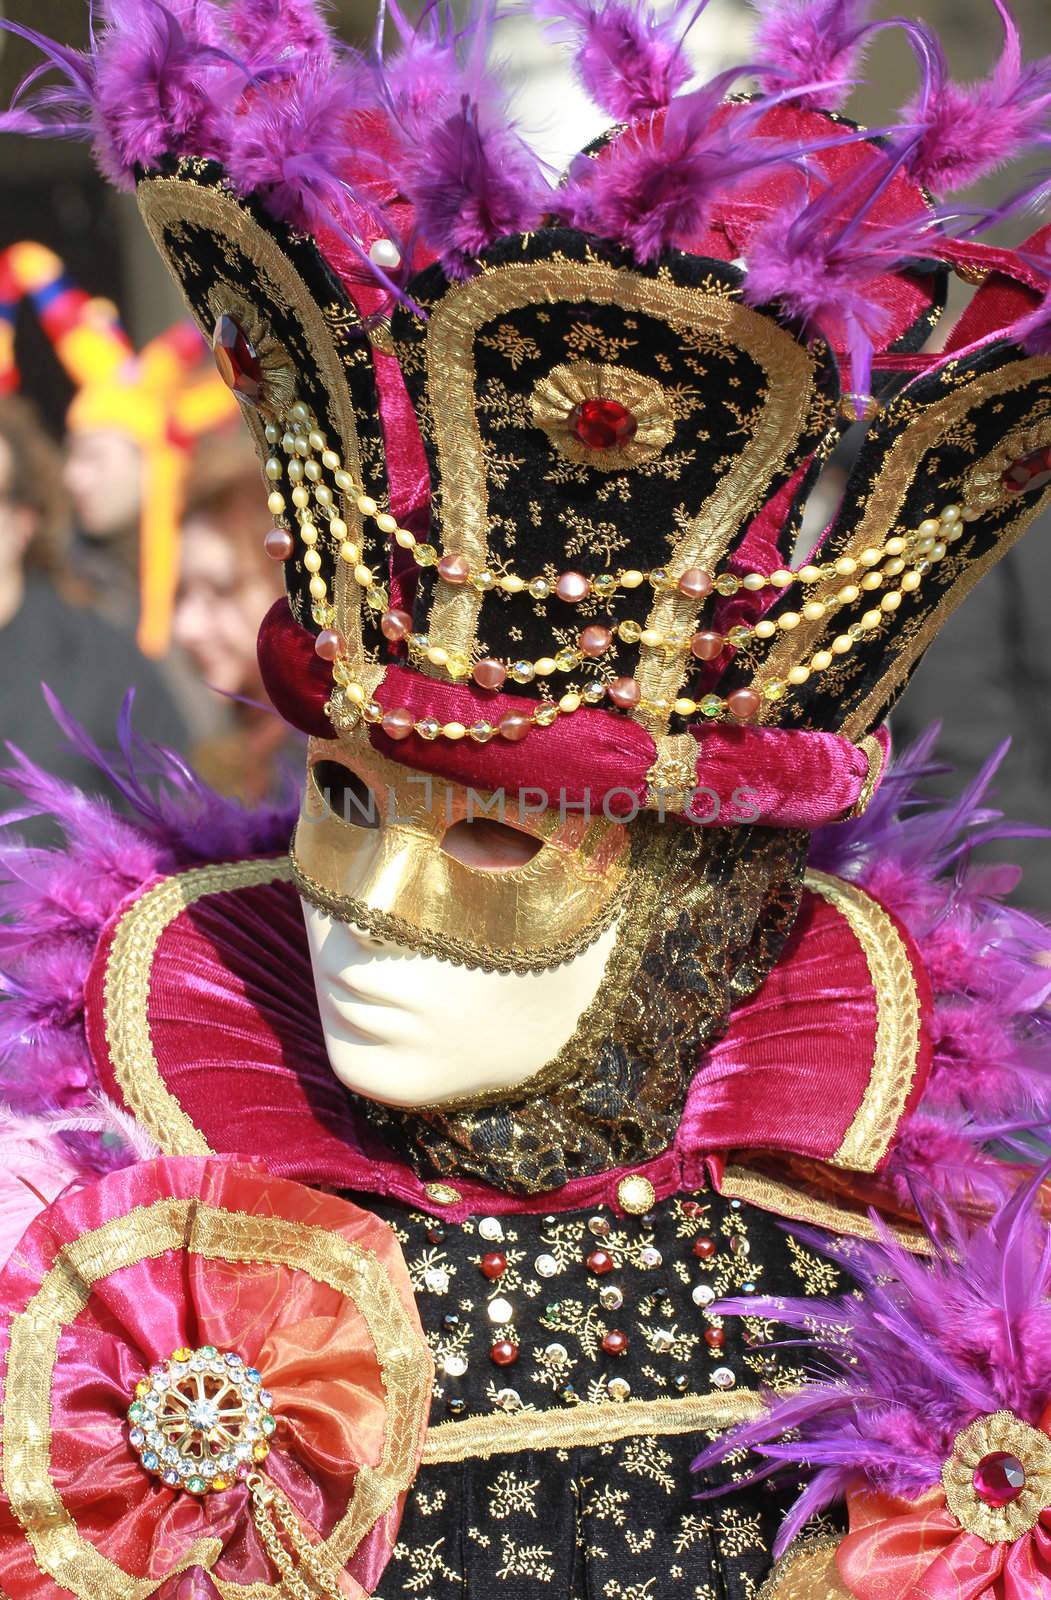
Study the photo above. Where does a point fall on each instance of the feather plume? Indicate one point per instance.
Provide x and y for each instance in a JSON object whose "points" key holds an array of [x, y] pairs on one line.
{"points": [[898, 1371], [802, 42], [657, 183], [629, 59], [960, 133], [279, 37]]}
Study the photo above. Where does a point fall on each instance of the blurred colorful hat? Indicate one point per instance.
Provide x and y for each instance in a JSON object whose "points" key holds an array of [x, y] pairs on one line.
{"points": [[164, 398]]}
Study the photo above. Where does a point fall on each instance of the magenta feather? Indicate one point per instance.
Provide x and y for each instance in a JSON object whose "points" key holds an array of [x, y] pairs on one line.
{"points": [[899, 1370], [802, 42], [629, 59], [278, 37], [963, 132]]}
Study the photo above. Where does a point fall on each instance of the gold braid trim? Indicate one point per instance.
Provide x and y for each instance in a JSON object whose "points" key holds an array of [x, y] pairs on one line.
{"points": [[586, 1425], [797, 1205], [897, 1045], [126, 992], [146, 1233], [807, 1571]]}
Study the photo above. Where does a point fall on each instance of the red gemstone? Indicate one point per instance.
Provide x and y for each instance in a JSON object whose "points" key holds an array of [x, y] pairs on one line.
{"points": [[602, 424], [494, 1264], [239, 366], [503, 1353], [999, 1479], [600, 1262], [704, 1247], [615, 1343], [714, 1338]]}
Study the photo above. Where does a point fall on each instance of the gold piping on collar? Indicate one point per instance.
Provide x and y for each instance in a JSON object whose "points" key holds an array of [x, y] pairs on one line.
{"points": [[585, 1425], [126, 993], [897, 1044], [146, 1233]]}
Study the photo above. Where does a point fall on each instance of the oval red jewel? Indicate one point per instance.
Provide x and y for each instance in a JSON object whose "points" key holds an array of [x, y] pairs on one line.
{"points": [[239, 366], [600, 1262], [602, 424], [503, 1353], [999, 1479], [615, 1343], [494, 1264], [704, 1247]]}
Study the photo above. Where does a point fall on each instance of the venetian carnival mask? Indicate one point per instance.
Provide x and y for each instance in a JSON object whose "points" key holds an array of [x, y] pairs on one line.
{"points": [[537, 475]]}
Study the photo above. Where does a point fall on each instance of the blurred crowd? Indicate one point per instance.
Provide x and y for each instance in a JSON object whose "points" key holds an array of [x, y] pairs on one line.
{"points": [[131, 548]]}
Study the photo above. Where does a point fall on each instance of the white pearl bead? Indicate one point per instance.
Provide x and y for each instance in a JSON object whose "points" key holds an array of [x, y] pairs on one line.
{"points": [[385, 253]]}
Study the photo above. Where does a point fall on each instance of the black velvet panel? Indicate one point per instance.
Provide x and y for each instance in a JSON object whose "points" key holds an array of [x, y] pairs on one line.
{"points": [[547, 513], [877, 669]]}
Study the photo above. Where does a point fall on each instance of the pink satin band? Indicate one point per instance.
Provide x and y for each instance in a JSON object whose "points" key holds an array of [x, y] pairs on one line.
{"points": [[777, 777]]}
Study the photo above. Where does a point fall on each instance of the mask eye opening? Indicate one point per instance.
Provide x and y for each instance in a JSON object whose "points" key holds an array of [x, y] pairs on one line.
{"points": [[490, 846], [345, 795]]}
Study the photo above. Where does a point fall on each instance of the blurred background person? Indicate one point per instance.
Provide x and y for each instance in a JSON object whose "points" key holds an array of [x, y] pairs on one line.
{"points": [[44, 638], [226, 585]]}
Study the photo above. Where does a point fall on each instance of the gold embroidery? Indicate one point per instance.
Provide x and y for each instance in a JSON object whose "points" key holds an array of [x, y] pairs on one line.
{"points": [[451, 334], [167, 202], [148, 1232], [126, 991], [881, 515], [797, 1205], [897, 1044], [587, 1425], [562, 390], [673, 776], [807, 1571], [984, 487], [996, 1432], [877, 759]]}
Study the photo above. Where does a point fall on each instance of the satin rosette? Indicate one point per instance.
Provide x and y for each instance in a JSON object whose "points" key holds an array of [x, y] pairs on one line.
{"points": [[206, 1262], [985, 1534]]}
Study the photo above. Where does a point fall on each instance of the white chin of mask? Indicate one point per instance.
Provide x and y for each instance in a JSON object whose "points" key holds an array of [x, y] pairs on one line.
{"points": [[410, 1030]]}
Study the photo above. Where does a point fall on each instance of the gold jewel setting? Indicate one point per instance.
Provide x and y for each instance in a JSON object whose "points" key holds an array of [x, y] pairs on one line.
{"points": [[998, 1435], [201, 1420]]}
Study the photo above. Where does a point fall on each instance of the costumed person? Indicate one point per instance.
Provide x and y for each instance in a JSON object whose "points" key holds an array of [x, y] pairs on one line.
{"points": [[132, 422], [226, 583], [388, 1187]]}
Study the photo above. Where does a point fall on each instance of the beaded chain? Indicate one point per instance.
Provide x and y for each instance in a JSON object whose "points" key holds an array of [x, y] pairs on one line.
{"points": [[898, 567]]}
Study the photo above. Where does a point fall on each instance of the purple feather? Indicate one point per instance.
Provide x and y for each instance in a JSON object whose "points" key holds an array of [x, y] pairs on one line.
{"points": [[898, 1371], [990, 1082], [802, 42], [163, 81], [962, 132], [473, 181], [278, 37], [630, 60], [55, 903]]}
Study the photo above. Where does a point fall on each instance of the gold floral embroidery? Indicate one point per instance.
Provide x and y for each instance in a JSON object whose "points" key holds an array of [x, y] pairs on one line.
{"points": [[769, 434], [148, 1232]]}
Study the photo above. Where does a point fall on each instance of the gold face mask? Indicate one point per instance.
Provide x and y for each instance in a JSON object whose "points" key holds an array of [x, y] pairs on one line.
{"points": [[389, 850]]}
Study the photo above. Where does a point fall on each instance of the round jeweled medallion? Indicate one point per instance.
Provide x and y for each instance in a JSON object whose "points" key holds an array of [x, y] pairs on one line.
{"points": [[201, 1420]]}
